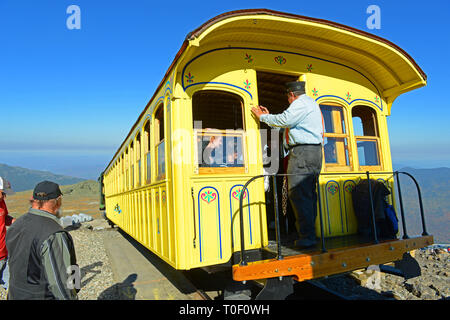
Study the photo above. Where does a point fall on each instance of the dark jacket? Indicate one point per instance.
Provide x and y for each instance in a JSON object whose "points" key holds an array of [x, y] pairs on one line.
{"points": [[40, 251]]}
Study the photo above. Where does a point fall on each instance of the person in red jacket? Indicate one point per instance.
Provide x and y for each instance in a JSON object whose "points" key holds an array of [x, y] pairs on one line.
{"points": [[5, 220]]}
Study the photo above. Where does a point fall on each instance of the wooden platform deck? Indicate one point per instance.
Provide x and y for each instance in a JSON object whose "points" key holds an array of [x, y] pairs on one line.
{"points": [[343, 255], [330, 244]]}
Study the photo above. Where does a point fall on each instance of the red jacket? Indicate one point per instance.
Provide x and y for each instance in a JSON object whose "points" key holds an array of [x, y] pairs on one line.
{"points": [[5, 220]]}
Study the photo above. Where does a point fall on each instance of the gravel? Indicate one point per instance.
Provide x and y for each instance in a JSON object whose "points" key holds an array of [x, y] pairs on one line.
{"points": [[432, 284], [96, 273]]}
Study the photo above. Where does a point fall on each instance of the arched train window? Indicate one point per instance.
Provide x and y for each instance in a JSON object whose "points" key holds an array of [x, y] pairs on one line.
{"points": [[159, 143], [218, 128], [367, 137], [147, 153], [336, 148], [138, 159]]}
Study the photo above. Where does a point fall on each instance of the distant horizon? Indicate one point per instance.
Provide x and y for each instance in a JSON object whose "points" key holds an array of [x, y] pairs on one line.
{"points": [[92, 172], [69, 163]]}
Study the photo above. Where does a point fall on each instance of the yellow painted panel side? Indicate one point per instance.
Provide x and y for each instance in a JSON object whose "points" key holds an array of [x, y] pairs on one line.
{"points": [[130, 213], [255, 228], [172, 239], [337, 207], [334, 214], [135, 213], [153, 229], [144, 218], [351, 222], [142, 225], [164, 223], [338, 214], [138, 216], [148, 216], [141, 217], [126, 211], [217, 221], [157, 217], [210, 220]]}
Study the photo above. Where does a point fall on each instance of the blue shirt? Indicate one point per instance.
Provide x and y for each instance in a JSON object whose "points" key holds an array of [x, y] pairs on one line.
{"points": [[303, 118]]}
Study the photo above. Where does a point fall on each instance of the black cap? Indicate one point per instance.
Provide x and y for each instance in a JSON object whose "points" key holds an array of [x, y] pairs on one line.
{"points": [[295, 86], [46, 190]]}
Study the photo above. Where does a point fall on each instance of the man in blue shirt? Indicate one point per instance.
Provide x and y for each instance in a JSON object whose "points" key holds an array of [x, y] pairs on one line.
{"points": [[303, 138]]}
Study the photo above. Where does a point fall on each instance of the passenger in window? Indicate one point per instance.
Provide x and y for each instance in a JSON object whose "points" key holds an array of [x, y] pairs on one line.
{"points": [[234, 154], [220, 151], [213, 153], [329, 150], [303, 138]]}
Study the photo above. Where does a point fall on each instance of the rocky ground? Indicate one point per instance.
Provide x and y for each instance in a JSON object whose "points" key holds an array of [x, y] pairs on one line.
{"points": [[97, 281], [432, 284]]}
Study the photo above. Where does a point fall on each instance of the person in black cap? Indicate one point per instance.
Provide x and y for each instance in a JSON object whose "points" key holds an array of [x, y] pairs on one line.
{"points": [[42, 259], [303, 139]]}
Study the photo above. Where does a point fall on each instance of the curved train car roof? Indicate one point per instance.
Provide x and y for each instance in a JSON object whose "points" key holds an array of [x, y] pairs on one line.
{"points": [[387, 66]]}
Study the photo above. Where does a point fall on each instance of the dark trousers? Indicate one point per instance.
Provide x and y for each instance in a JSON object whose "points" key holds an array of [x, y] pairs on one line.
{"points": [[306, 159]]}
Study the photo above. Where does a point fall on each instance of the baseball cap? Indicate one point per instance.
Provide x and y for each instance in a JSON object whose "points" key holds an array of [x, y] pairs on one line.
{"points": [[5, 186], [295, 86], [46, 190]]}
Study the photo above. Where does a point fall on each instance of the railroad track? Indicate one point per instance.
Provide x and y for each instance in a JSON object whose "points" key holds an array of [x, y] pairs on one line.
{"points": [[201, 293], [314, 290], [210, 287]]}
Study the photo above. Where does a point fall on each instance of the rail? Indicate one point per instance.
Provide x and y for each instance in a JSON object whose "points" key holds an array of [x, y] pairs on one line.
{"points": [[243, 261]]}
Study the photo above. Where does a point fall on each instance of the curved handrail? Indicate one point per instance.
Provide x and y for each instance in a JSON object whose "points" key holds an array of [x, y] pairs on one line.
{"points": [[279, 255], [241, 215], [419, 194]]}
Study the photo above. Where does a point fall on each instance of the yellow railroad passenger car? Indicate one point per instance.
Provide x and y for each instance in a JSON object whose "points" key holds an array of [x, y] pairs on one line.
{"points": [[174, 183]]}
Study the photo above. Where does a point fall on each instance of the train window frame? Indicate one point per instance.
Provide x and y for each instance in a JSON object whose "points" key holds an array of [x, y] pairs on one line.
{"points": [[137, 159], [374, 129], [147, 151], [113, 174], [121, 172], [131, 164], [344, 159], [126, 170], [116, 176], [199, 134], [160, 152]]}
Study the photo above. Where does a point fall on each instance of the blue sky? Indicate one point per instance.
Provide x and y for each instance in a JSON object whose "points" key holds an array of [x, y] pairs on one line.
{"points": [[69, 97]]}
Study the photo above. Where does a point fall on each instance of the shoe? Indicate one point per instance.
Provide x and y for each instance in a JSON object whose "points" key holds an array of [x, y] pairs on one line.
{"points": [[305, 243]]}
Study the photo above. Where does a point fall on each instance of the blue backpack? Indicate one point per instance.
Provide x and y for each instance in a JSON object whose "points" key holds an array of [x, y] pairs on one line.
{"points": [[391, 218]]}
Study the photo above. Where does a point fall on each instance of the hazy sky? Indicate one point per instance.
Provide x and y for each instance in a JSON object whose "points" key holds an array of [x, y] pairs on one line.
{"points": [[69, 97]]}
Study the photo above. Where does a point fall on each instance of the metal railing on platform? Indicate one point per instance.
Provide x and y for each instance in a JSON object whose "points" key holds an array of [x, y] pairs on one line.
{"points": [[243, 261]]}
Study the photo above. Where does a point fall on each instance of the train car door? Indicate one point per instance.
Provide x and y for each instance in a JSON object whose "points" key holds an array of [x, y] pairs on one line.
{"points": [[272, 95]]}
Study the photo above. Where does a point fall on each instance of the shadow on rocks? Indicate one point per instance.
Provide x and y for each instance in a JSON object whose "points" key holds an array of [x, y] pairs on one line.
{"points": [[90, 269], [121, 291]]}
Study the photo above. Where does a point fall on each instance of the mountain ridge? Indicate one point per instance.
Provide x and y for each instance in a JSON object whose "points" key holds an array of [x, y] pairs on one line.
{"points": [[23, 179]]}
